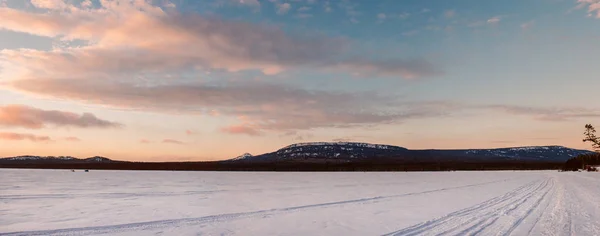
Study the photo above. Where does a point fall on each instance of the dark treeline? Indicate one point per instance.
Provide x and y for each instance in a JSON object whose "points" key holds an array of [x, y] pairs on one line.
{"points": [[581, 161], [282, 166]]}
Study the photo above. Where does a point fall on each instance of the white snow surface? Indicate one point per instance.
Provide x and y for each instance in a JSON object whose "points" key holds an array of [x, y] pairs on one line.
{"points": [[242, 157], [363, 145], [61, 202]]}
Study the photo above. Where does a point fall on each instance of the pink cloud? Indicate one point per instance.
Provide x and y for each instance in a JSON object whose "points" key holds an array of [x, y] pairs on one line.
{"points": [[186, 39], [593, 7], [548, 114], [145, 141], [49, 4], [190, 132], [283, 8], [409, 69], [258, 112], [73, 139], [241, 129], [34, 118], [172, 141], [20, 136], [127, 31], [253, 103], [21, 21]]}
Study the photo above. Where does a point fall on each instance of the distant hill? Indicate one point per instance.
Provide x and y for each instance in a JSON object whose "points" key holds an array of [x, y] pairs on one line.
{"points": [[334, 156], [52, 159], [352, 152]]}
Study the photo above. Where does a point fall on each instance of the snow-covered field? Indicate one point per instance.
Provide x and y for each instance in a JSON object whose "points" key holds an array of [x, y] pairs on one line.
{"points": [[60, 202]]}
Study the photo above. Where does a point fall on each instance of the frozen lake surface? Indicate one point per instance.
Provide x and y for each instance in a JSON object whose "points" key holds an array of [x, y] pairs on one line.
{"points": [[61, 202]]}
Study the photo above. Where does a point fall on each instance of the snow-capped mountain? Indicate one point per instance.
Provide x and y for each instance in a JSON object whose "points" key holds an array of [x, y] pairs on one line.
{"points": [[337, 150], [349, 151], [242, 157], [540, 153], [97, 159]]}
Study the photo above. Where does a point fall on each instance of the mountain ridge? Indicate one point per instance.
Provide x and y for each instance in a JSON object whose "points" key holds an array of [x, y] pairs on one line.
{"points": [[32, 158], [356, 151]]}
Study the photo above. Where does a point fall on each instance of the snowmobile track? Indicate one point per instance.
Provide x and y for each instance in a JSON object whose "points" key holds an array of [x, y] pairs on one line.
{"points": [[497, 216]]}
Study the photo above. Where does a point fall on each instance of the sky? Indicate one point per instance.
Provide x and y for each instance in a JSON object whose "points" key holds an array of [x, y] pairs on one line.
{"points": [[182, 80]]}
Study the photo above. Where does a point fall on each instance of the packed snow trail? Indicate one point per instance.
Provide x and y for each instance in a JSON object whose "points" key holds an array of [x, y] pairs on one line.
{"points": [[428, 203], [562, 204], [497, 216]]}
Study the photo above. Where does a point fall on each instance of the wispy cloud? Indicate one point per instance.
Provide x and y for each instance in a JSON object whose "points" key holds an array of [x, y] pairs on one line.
{"points": [[494, 20], [305, 8], [410, 69], [241, 129], [527, 25], [49, 4], [172, 141], [34, 118], [190, 132], [72, 139], [548, 114], [593, 7], [381, 17], [253, 3], [21, 136], [403, 15], [491, 21], [450, 13], [327, 6], [145, 141], [350, 9], [187, 40], [296, 136], [293, 110], [283, 8], [296, 109]]}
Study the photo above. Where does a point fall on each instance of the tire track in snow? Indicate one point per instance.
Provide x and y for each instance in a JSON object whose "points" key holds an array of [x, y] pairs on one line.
{"points": [[453, 221], [225, 217], [556, 218], [551, 198], [586, 208], [497, 216]]}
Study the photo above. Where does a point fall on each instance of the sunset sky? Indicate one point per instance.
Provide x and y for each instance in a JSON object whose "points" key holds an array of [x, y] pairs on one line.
{"points": [[182, 80]]}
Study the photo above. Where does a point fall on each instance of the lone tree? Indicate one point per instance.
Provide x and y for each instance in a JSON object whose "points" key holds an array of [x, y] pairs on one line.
{"points": [[590, 136], [580, 162]]}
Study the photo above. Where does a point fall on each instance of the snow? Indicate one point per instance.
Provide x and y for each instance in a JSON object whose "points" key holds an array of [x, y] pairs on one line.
{"points": [[24, 158], [97, 159], [242, 157], [61, 202], [363, 145]]}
